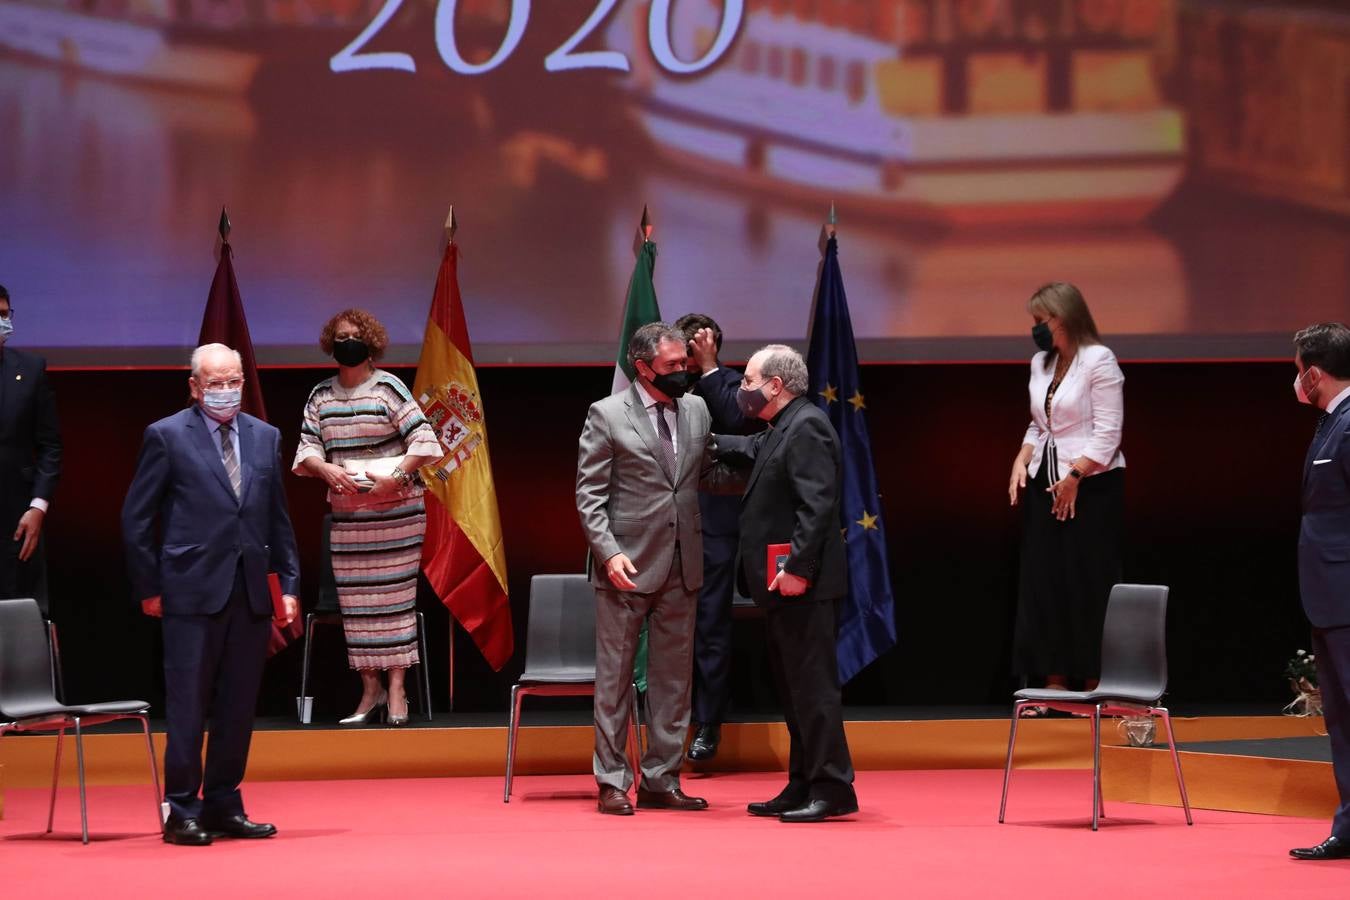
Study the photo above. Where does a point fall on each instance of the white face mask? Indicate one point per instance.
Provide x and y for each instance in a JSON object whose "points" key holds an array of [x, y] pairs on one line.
{"points": [[1299, 392], [222, 405], [6, 328]]}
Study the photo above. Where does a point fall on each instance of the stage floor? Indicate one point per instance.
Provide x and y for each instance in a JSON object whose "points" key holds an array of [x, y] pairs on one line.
{"points": [[919, 834]]}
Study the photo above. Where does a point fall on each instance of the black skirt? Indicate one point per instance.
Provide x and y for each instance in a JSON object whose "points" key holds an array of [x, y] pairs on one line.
{"points": [[1065, 578]]}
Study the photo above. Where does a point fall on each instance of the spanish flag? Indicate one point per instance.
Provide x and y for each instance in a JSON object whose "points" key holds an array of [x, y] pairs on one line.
{"points": [[463, 556]]}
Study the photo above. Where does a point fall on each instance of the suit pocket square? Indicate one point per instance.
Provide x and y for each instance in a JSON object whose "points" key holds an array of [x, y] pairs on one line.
{"points": [[1318, 462]]}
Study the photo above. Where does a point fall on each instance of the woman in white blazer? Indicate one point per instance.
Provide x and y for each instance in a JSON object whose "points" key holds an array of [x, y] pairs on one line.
{"points": [[1074, 509]]}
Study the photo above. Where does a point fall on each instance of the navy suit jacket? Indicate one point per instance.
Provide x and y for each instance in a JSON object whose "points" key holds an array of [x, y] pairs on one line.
{"points": [[1324, 533], [185, 531], [722, 513], [30, 442]]}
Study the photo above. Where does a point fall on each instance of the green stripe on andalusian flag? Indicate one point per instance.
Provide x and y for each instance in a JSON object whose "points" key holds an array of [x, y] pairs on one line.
{"points": [[639, 309]]}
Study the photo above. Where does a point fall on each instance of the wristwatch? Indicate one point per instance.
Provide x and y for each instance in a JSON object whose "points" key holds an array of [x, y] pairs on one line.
{"points": [[1074, 473]]}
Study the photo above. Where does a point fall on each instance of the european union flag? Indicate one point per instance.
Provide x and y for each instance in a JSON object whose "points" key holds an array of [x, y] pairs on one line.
{"points": [[867, 617]]}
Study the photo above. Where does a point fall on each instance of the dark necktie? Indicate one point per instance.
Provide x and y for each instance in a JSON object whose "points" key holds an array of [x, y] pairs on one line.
{"points": [[667, 442], [228, 458]]}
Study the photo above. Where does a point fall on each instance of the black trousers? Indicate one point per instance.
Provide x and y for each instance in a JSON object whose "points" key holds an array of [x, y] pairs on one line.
{"points": [[213, 668], [806, 670], [712, 630], [1331, 646]]}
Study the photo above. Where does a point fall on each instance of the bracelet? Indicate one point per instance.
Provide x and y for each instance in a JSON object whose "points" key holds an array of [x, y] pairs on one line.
{"points": [[1074, 473], [402, 477]]}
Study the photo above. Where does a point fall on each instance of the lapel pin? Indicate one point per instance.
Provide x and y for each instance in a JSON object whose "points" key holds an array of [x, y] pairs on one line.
{"points": [[18, 378]]}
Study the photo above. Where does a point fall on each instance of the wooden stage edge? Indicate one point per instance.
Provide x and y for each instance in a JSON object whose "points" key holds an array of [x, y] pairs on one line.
{"points": [[1284, 787]]}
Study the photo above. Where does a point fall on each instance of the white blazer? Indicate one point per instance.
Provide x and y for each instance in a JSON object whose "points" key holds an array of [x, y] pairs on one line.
{"points": [[1086, 414]]}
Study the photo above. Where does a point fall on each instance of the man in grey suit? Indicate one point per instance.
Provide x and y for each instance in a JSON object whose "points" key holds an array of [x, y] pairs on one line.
{"points": [[641, 456]]}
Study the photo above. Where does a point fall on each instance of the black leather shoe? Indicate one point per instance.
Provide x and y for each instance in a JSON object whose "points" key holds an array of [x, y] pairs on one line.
{"points": [[1332, 848], [238, 827], [185, 832], [818, 811], [671, 799], [787, 799], [704, 745]]}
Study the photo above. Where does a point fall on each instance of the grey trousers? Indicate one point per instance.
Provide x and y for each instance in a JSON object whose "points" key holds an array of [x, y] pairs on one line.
{"points": [[670, 614]]}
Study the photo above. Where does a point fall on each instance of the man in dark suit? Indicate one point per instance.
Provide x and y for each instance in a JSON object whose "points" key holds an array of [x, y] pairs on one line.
{"points": [[717, 385], [792, 497], [1322, 356], [204, 521], [30, 463]]}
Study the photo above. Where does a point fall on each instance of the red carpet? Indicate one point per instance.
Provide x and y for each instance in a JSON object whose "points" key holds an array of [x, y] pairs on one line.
{"points": [[920, 834]]}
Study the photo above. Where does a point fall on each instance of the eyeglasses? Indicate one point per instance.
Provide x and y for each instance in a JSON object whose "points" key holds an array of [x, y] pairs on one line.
{"points": [[233, 384]]}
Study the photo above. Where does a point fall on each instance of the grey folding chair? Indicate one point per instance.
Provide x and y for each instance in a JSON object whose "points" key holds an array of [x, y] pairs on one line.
{"points": [[560, 655], [328, 612], [28, 703], [1134, 679]]}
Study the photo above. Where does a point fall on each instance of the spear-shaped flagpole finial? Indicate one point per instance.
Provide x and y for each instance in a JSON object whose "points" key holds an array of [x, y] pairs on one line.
{"points": [[646, 225], [451, 225], [224, 226], [832, 221]]}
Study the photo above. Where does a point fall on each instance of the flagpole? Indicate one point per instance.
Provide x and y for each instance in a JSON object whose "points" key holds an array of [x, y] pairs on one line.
{"points": [[451, 226]]}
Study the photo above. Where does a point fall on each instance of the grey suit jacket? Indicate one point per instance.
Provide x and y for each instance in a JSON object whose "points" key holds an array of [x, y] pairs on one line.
{"points": [[627, 502]]}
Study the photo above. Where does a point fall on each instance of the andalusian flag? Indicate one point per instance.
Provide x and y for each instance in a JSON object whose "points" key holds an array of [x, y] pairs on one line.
{"points": [[463, 556], [640, 308]]}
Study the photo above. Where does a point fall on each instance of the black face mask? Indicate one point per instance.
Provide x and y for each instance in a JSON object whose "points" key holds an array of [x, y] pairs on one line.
{"points": [[351, 352], [673, 384], [1041, 334]]}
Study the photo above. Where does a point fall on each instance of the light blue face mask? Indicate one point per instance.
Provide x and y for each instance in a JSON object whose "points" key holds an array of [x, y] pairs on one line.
{"points": [[222, 405], [6, 328]]}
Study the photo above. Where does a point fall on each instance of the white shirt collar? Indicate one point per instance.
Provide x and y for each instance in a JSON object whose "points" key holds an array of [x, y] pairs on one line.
{"points": [[648, 401], [1336, 401]]}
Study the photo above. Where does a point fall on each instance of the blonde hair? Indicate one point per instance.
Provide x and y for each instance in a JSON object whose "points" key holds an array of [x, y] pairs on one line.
{"points": [[1065, 302]]}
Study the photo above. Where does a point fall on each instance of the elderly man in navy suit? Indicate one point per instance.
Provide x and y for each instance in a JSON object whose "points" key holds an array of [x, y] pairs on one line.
{"points": [[204, 522], [718, 386], [1322, 356], [30, 463]]}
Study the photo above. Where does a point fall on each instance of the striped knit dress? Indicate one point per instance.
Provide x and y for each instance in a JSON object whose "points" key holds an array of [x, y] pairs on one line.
{"points": [[376, 542]]}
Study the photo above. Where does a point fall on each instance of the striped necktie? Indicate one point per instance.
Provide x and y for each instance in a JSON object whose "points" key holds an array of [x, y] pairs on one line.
{"points": [[667, 440], [228, 458]]}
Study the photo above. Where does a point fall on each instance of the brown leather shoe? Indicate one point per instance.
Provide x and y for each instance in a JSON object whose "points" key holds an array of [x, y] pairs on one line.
{"points": [[614, 802], [672, 799]]}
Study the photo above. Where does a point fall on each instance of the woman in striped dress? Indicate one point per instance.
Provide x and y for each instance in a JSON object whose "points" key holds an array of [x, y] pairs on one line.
{"points": [[363, 417]]}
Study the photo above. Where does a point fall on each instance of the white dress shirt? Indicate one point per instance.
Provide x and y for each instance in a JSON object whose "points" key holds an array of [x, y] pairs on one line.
{"points": [[653, 410], [1336, 401], [1086, 414]]}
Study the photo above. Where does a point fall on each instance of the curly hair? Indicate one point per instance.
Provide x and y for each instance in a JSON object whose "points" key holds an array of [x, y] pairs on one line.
{"points": [[368, 328]]}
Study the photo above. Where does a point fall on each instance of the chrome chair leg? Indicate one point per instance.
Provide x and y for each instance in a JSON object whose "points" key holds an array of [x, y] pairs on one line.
{"points": [[424, 677], [1096, 741], [1096, 763], [511, 727], [154, 771], [56, 776], [84, 803], [1176, 761], [1007, 768], [304, 666]]}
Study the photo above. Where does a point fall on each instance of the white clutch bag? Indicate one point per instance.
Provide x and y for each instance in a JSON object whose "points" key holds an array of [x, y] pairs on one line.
{"points": [[367, 469]]}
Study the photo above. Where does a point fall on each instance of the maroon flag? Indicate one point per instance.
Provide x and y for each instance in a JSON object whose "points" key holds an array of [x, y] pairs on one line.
{"points": [[224, 322]]}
